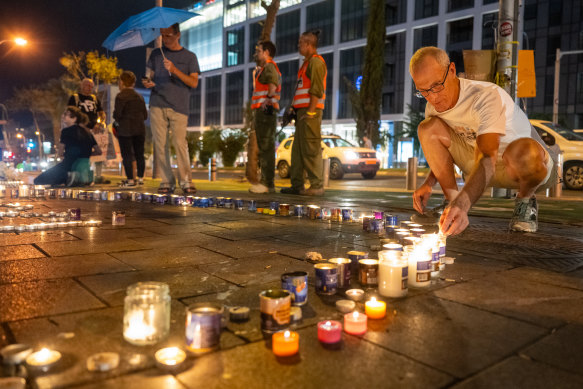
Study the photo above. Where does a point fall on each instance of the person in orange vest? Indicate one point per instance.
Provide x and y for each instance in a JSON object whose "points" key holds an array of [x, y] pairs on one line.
{"points": [[309, 104], [265, 106]]}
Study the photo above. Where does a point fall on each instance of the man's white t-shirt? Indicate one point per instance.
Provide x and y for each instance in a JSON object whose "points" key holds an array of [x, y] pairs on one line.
{"points": [[484, 108]]}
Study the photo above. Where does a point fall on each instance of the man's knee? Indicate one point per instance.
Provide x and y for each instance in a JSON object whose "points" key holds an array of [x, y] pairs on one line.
{"points": [[434, 129], [526, 157]]}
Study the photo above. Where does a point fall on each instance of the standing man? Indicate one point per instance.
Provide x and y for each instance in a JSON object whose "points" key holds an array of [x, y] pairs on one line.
{"points": [[172, 72], [367, 142], [265, 106], [477, 126], [309, 104], [90, 105]]}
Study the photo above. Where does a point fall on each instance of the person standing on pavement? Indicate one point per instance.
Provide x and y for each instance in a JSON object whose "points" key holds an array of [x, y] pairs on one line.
{"points": [[309, 104], [130, 113], [367, 142], [90, 105], [172, 71], [265, 106], [477, 126]]}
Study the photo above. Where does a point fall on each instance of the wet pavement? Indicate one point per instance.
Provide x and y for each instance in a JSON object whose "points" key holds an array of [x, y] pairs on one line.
{"points": [[507, 313]]}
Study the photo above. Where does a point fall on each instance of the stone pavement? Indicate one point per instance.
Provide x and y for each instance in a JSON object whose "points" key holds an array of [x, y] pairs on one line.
{"points": [[507, 313]]}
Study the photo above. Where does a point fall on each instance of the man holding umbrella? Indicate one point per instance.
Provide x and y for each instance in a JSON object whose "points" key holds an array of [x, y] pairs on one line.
{"points": [[171, 72]]}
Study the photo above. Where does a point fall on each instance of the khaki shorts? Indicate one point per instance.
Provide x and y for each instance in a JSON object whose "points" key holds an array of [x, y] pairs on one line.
{"points": [[464, 156]]}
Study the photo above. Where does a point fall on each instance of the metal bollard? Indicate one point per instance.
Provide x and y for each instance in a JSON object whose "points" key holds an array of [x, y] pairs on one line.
{"points": [[501, 193], [557, 189], [326, 172], [411, 182], [212, 169]]}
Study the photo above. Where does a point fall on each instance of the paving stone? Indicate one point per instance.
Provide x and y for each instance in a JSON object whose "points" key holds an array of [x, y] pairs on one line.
{"points": [[255, 270], [101, 234], [24, 251], [567, 280], [57, 249], [335, 249], [448, 336], [315, 367], [179, 240], [168, 257], [183, 228], [517, 372], [469, 267], [544, 305], [59, 267], [561, 349], [78, 336], [322, 238], [183, 282], [149, 379], [9, 239], [41, 298], [248, 248]]}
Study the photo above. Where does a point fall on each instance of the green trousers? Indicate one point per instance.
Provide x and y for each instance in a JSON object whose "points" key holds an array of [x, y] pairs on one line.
{"points": [[306, 151], [265, 130]]}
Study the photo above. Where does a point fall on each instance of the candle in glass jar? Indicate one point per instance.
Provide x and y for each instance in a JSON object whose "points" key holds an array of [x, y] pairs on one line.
{"points": [[329, 331], [375, 309], [419, 259], [393, 274], [285, 344], [355, 323], [43, 359]]}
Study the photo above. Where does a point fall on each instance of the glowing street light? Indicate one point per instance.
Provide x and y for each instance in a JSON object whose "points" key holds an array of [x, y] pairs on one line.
{"points": [[16, 41]]}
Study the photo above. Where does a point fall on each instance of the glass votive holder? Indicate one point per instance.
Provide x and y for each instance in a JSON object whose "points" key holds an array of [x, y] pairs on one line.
{"points": [[146, 313]]}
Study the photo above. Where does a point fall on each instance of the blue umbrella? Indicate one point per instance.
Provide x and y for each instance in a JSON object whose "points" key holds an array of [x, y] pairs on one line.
{"points": [[143, 28]]}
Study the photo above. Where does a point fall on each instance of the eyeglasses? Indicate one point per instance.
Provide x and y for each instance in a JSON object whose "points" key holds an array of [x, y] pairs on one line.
{"points": [[422, 93], [167, 35]]}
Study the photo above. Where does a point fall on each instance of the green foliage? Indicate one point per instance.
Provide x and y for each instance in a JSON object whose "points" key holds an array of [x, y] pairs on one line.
{"points": [[90, 65], [211, 140], [194, 144], [231, 146]]}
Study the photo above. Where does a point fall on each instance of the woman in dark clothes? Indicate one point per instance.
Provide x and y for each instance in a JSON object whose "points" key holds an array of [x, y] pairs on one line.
{"points": [[76, 142], [129, 114]]}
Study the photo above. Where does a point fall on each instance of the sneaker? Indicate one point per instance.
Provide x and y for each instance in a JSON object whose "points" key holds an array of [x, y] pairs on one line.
{"points": [[140, 181], [312, 192], [430, 216], [525, 216], [291, 190], [259, 188]]}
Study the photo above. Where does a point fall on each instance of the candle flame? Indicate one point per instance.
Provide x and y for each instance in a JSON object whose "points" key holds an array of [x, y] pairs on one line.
{"points": [[43, 354], [373, 300], [328, 324], [355, 314], [286, 334]]}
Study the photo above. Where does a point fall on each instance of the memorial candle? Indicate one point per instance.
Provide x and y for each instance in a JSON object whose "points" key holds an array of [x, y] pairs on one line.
{"points": [[375, 309], [393, 274], [43, 359], [285, 344], [355, 323], [329, 331]]}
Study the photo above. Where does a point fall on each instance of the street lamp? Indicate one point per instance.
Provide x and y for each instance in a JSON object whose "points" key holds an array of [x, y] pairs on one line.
{"points": [[16, 41]]}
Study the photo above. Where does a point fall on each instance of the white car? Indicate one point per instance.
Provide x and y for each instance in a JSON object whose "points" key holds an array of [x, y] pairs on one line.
{"points": [[344, 158], [571, 144]]}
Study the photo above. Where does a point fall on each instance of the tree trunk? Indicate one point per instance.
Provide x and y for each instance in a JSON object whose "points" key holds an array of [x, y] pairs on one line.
{"points": [[252, 149]]}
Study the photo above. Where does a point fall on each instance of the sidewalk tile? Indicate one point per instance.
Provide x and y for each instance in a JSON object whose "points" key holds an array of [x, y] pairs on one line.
{"points": [[168, 257], [9, 239], [57, 249], [12, 253]]}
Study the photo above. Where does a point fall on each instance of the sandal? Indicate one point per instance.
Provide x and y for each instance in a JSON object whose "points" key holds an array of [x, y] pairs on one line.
{"points": [[165, 190], [189, 190]]}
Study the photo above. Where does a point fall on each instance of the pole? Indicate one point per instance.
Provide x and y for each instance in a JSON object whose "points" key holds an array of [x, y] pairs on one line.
{"points": [[326, 172], [411, 182], [507, 47], [212, 169], [556, 89]]}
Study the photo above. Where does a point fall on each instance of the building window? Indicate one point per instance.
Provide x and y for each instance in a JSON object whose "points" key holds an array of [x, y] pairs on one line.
{"points": [[426, 8], [287, 33], [235, 12], [459, 38], [490, 1], [395, 12], [289, 79], [579, 90], [194, 115], [394, 74], [235, 46], [426, 36], [203, 35], [329, 59], [350, 69], [255, 30], [354, 14], [553, 43], [234, 98], [555, 12], [213, 101], [456, 5], [489, 23], [321, 16]]}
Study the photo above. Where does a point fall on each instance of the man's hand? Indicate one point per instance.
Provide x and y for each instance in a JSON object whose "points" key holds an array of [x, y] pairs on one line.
{"points": [[454, 219], [148, 83], [169, 66], [420, 197]]}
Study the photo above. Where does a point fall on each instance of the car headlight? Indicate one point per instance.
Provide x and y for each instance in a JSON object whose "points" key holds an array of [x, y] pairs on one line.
{"points": [[350, 155]]}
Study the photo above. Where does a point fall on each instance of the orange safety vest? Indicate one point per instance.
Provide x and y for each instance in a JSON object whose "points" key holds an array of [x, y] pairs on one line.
{"points": [[302, 97], [260, 90]]}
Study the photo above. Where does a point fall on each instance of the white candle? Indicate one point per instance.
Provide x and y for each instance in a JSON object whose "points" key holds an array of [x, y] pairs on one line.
{"points": [[419, 260], [43, 359], [169, 357], [393, 274], [139, 327]]}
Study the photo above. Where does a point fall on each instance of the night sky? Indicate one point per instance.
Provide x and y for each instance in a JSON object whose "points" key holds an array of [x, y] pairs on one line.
{"points": [[54, 27]]}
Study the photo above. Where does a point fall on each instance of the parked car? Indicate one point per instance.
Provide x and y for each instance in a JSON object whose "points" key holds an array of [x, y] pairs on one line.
{"points": [[344, 158], [571, 144]]}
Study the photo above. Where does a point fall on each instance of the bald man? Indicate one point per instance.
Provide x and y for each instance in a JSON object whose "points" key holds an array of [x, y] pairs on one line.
{"points": [[477, 126]]}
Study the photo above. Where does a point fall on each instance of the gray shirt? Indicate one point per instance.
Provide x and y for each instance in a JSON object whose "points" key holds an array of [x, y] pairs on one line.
{"points": [[170, 91]]}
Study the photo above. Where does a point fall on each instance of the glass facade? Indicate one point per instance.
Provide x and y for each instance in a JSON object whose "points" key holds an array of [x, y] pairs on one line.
{"points": [[456, 5], [394, 73], [203, 35], [329, 59], [212, 99], [489, 23], [426, 36], [321, 16], [195, 102], [350, 69], [287, 33], [395, 12], [235, 12], [235, 47], [234, 98], [426, 8], [459, 38], [255, 30], [289, 78], [354, 14]]}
